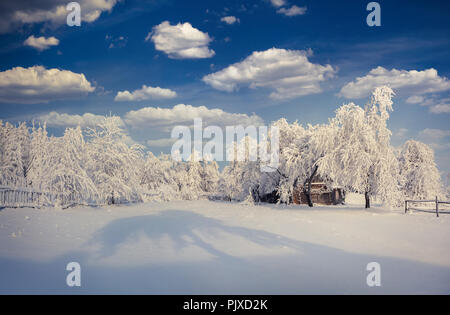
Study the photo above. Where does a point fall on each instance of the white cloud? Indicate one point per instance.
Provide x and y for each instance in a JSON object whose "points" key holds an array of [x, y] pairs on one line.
{"points": [[288, 72], [292, 11], [415, 99], [39, 85], [54, 119], [442, 108], [438, 139], [408, 82], [181, 41], [163, 142], [433, 134], [145, 93], [181, 114], [278, 3], [401, 133], [14, 14], [437, 105], [155, 122], [230, 19], [87, 120], [41, 43]]}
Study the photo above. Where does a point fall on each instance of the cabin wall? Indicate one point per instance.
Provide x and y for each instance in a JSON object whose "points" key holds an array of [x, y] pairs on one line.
{"points": [[319, 195]]}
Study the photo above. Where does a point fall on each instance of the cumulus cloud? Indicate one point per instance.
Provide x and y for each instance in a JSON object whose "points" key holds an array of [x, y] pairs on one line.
{"points": [[41, 43], [181, 41], [415, 99], [181, 114], [145, 93], [437, 105], [408, 82], [292, 11], [441, 108], [401, 132], [438, 139], [163, 142], [39, 85], [278, 3], [230, 19], [15, 14], [288, 72], [433, 134], [87, 120], [154, 122], [54, 119]]}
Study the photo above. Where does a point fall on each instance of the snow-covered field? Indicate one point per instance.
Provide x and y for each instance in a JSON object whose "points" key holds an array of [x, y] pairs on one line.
{"points": [[204, 247]]}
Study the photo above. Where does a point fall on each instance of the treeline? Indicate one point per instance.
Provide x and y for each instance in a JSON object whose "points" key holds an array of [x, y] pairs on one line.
{"points": [[100, 165], [352, 151], [97, 166]]}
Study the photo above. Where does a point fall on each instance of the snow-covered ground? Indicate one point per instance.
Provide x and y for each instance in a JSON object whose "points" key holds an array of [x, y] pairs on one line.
{"points": [[204, 247]]}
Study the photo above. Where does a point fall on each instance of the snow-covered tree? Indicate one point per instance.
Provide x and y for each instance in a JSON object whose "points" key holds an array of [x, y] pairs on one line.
{"points": [[421, 179], [14, 154], [352, 150], [447, 185], [361, 158], [113, 165], [240, 179], [189, 177], [166, 179], [159, 178], [386, 184], [209, 175], [58, 167], [300, 151], [39, 151]]}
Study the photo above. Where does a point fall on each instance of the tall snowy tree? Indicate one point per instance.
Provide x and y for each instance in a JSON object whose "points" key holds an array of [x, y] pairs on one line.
{"points": [[113, 165], [361, 158], [14, 154], [240, 179], [385, 182], [421, 179], [209, 176], [39, 151]]}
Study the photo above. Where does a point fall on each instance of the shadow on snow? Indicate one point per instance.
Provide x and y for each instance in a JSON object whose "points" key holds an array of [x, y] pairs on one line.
{"points": [[309, 268]]}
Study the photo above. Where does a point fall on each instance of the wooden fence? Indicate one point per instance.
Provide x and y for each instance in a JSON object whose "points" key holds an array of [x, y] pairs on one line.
{"points": [[17, 197], [13, 197], [436, 209]]}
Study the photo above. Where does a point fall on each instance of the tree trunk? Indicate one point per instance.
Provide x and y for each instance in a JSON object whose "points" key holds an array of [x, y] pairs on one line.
{"points": [[308, 191], [367, 200]]}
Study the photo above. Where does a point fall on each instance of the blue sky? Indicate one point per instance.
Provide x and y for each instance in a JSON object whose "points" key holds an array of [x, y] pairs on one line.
{"points": [[329, 40]]}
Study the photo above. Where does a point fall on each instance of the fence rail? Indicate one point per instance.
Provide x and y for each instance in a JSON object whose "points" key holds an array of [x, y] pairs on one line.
{"points": [[435, 210], [19, 197], [12, 197]]}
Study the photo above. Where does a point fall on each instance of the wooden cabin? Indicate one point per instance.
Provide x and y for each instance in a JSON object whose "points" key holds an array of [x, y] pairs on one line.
{"points": [[320, 194]]}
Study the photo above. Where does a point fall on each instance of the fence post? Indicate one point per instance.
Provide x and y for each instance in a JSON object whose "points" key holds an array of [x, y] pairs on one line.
{"points": [[437, 207], [406, 206]]}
